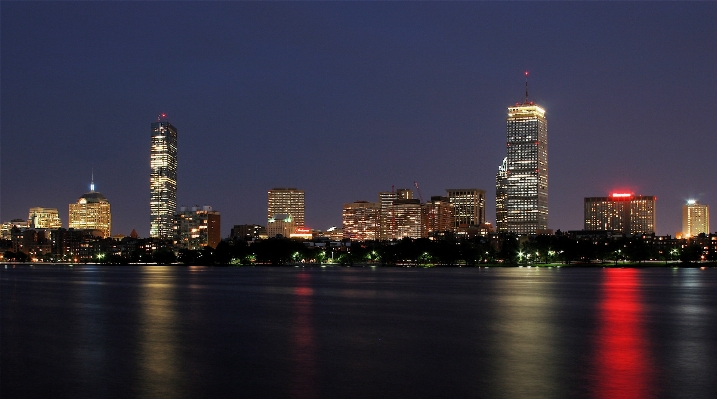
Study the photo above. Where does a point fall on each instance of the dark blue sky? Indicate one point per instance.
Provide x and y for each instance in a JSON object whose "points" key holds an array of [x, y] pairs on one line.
{"points": [[345, 100]]}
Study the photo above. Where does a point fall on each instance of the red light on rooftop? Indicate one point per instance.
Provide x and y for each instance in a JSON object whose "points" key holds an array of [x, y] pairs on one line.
{"points": [[621, 195]]}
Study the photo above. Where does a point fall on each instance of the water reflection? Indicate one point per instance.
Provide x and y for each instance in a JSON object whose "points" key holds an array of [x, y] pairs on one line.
{"points": [[526, 357], [158, 358], [623, 367], [303, 342]]}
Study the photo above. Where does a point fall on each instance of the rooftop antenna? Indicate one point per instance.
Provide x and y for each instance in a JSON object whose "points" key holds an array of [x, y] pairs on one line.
{"points": [[92, 183], [526, 87]]}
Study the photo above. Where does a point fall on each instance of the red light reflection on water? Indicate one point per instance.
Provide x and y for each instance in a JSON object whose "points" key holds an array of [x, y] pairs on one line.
{"points": [[623, 367], [303, 345]]}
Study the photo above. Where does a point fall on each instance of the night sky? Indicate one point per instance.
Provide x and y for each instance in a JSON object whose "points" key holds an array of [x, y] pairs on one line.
{"points": [[345, 100]]}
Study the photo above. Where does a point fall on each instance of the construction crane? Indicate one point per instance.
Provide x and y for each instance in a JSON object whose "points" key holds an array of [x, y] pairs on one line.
{"points": [[419, 191]]}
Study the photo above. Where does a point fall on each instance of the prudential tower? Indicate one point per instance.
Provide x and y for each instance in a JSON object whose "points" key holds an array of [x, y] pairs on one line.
{"points": [[163, 178], [522, 179]]}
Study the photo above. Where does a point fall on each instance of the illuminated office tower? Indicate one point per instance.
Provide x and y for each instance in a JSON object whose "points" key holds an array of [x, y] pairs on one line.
{"points": [[163, 178], [197, 227], [44, 218], [286, 201], [525, 178], [407, 218], [439, 216], [623, 212], [469, 206], [91, 212], [280, 225], [387, 229], [501, 194], [695, 219], [361, 220]]}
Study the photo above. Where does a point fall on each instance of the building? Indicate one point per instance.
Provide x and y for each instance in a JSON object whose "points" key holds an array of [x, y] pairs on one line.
{"points": [[286, 201], [361, 220], [468, 206], [622, 212], [197, 227], [407, 218], [386, 230], [522, 179], [280, 225], [163, 178], [439, 217], [695, 219], [247, 232], [44, 218], [91, 212]]}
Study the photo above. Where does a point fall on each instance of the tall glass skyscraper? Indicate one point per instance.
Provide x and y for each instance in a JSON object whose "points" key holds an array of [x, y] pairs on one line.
{"points": [[522, 180], [163, 178]]}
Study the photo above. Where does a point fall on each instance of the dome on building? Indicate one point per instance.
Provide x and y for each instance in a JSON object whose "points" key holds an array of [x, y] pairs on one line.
{"points": [[92, 197]]}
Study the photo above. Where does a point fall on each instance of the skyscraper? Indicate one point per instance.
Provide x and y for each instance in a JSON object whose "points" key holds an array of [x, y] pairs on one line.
{"points": [[91, 212], [361, 220], [469, 206], [695, 219], [286, 201], [623, 212], [163, 178], [522, 181]]}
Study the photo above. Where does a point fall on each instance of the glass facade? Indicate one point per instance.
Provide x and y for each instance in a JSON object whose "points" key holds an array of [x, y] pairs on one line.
{"points": [[522, 179], [163, 180], [286, 201]]}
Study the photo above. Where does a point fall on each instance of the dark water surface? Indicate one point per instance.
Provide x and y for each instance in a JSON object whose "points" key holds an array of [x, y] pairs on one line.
{"points": [[190, 332]]}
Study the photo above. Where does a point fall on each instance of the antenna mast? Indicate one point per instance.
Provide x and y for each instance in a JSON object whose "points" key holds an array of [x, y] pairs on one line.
{"points": [[526, 87]]}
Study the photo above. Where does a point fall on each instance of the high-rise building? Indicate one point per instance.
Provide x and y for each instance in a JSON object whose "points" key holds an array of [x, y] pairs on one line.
{"points": [[163, 178], [197, 227], [469, 206], [44, 218], [91, 212], [522, 180], [387, 230], [407, 218], [361, 220], [623, 212], [695, 219], [439, 216], [286, 201]]}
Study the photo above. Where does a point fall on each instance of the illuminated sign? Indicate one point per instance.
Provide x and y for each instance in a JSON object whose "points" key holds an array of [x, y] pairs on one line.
{"points": [[621, 195], [302, 230]]}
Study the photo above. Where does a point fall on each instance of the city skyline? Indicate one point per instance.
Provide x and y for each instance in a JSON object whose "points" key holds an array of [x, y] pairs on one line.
{"points": [[347, 100]]}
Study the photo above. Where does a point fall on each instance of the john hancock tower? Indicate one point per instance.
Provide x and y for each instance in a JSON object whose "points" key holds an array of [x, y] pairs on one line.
{"points": [[522, 179], [163, 178]]}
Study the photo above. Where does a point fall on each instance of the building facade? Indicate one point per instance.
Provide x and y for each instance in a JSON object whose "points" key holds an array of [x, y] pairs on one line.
{"points": [[408, 218], [286, 201], [44, 218], [439, 217], [622, 212], [469, 206], [361, 220], [91, 212], [522, 179], [163, 179], [197, 227], [695, 219], [280, 225]]}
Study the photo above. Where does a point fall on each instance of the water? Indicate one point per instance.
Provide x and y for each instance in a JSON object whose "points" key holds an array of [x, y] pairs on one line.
{"points": [[195, 332]]}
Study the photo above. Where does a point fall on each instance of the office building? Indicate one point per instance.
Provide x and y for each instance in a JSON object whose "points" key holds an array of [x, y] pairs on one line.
{"points": [[163, 178], [197, 227], [468, 206], [439, 217], [622, 212], [247, 232], [91, 212], [286, 201], [361, 220], [695, 219], [522, 179], [44, 218], [407, 218]]}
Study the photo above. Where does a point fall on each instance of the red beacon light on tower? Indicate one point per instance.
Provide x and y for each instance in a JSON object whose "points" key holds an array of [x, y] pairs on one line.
{"points": [[621, 195]]}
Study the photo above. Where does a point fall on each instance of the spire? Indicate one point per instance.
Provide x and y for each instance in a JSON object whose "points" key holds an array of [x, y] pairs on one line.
{"points": [[92, 182], [526, 87]]}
